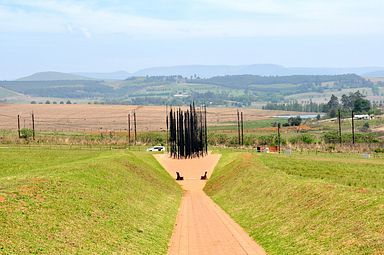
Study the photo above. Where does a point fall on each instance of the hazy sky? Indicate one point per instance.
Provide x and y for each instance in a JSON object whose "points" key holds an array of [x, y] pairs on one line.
{"points": [[111, 35]]}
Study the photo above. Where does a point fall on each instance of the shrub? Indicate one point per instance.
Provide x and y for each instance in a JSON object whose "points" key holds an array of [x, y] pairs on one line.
{"points": [[379, 150], [304, 138], [365, 127], [266, 140], [26, 133], [295, 121], [331, 137], [153, 138]]}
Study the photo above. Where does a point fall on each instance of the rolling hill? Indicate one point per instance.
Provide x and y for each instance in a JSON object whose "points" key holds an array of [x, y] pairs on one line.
{"points": [[118, 75], [379, 73], [229, 90], [208, 71], [53, 76]]}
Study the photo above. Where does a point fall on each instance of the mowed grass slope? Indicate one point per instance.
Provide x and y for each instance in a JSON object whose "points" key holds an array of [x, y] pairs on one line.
{"points": [[304, 204], [84, 202]]}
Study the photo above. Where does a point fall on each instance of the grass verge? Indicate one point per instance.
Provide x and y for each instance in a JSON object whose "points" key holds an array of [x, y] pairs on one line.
{"points": [[84, 202], [303, 205]]}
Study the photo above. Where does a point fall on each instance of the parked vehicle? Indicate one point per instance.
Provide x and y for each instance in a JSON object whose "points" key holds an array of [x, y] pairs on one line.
{"points": [[156, 148]]}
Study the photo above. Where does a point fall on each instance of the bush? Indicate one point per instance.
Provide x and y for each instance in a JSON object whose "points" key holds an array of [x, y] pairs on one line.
{"points": [[26, 133], [379, 150], [152, 138], [365, 127], [217, 139], [304, 138], [361, 138], [295, 121], [266, 140], [333, 137]]}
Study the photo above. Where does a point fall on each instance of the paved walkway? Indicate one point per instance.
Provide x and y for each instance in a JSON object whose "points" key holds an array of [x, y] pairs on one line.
{"points": [[202, 227]]}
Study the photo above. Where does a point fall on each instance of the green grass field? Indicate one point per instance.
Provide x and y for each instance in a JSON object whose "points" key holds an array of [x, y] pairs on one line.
{"points": [[84, 202], [304, 204]]}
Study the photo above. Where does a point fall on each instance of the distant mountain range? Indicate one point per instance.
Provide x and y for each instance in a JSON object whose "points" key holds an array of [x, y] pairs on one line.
{"points": [[379, 73], [207, 71], [53, 76], [229, 90], [119, 75]]}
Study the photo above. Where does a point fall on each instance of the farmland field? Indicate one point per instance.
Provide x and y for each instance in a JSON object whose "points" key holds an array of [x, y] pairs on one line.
{"points": [[82, 201], [304, 204], [109, 117]]}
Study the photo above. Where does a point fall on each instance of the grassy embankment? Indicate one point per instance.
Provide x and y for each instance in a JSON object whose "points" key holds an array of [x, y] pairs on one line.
{"points": [[304, 204], [84, 202]]}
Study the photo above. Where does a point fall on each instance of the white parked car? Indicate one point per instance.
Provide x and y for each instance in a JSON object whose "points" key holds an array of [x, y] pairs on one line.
{"points": [[156, 148]]}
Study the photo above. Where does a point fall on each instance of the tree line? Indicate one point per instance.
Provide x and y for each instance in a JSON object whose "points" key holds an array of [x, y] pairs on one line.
{"points": [[295, 106], [355, 102]]}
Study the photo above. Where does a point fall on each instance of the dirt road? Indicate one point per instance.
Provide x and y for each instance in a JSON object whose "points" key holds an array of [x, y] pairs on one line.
{"points": [[201, 226]]}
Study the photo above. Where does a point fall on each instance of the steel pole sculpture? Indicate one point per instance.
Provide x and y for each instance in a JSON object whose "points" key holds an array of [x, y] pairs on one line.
{"points": [[187, 132]]}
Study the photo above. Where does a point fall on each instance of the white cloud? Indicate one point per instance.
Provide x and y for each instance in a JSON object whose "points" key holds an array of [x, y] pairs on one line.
{"points": [[86, 32], [269, 18], [70, 28]]}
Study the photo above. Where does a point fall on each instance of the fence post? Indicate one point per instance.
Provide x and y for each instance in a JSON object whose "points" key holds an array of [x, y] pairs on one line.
{"points": [[33, 126], [353, 127], [129, 130], [238, 127], [18, 125], [167, 125], [339, 117], [134, 122], [278, 135], [242, 129]]}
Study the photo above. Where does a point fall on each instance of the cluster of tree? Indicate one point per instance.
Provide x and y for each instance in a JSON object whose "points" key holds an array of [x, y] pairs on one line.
{"points": [[295, 121], [295, 106], [275, 88], [60, 89], [291, 122], [376, 89], [209, 98], [243, 81], [353, 102], [49, 102], [160, 78]]}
